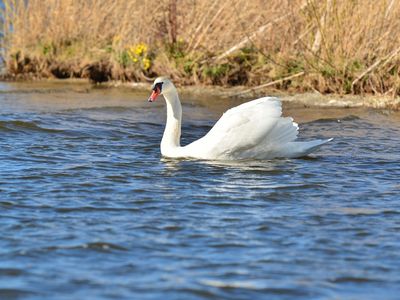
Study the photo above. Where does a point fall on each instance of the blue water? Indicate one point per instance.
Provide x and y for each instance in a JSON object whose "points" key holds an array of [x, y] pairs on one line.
{"points": [[89, 209]]}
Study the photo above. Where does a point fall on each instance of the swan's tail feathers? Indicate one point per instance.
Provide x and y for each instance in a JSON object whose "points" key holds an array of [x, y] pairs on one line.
{"points": [[300, 149]]}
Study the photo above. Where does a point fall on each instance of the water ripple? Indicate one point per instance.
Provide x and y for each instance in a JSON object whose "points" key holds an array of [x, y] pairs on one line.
{"points": [[25, 126], [89, 208]]}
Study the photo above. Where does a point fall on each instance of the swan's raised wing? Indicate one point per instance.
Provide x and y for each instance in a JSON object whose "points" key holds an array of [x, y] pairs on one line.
{"points": [[245, 130]]}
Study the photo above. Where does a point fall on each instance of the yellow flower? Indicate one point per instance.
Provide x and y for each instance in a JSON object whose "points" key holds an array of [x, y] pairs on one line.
{"points": [[139, 52], [140, 49], [146, 63]]}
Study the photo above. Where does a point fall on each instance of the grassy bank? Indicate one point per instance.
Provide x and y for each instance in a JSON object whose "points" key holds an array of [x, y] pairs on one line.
{"points": [[329, 46]]}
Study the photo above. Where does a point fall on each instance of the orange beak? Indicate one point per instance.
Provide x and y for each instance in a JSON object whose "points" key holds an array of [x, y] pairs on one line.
{"points": [[154, 95]]}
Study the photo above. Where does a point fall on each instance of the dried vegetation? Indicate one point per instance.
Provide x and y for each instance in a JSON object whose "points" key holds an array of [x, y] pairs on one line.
{"points": [[329, 46]]}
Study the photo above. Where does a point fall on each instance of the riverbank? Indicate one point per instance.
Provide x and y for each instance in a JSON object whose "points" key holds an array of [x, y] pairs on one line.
{"points": [[305, 99], [206, 93]]}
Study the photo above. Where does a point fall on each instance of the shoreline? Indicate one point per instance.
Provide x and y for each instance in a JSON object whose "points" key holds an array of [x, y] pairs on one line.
{"points": [[306, 99]]}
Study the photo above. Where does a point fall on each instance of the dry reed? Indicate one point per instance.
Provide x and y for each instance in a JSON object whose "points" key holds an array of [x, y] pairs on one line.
{"points": [[332, 46]]}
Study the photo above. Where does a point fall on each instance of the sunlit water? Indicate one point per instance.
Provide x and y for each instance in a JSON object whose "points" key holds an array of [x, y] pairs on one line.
{"points": [[89, 209]]}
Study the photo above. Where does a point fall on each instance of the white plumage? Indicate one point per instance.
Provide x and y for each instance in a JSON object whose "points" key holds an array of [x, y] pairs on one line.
{"points": [[253, 130]]}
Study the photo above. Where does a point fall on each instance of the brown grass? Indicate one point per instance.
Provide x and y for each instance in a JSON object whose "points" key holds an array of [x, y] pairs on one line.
{"points": [[332, 46]]}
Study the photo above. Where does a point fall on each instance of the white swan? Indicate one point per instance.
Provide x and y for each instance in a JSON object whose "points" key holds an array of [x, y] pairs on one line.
{"points": [[253, 130]]}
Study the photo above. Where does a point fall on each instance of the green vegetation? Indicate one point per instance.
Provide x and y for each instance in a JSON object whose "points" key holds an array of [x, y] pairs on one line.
{"points": [[345, 47]]}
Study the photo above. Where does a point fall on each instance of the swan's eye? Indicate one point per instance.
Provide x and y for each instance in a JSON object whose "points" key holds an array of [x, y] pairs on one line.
{"points": [[158, 87]]}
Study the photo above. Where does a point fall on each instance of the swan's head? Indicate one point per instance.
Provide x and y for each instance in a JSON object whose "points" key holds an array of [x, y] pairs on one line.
{"points": [[161, 85]]}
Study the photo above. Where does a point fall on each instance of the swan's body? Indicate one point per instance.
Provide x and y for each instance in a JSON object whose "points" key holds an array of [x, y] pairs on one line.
{"points": [[253, 130]]}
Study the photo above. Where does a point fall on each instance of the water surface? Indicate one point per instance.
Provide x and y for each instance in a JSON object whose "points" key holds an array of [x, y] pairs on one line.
{"points": [[89, 209]]}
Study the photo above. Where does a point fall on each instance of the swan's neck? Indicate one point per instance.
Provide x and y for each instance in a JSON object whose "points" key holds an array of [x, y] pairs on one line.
{"points": [[172, 132]]}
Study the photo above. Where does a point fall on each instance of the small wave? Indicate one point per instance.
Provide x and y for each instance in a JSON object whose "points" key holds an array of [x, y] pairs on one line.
{"points": [[6, 203], [353, 279], [17, 125], [93, 208], [335, 120], [101, 246], [233, 284], [103, 109], [253, 285], [44, 91], [96, 246], [220, 204], [14, 293], [11, 272], [145, 125], [361, 211]]}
